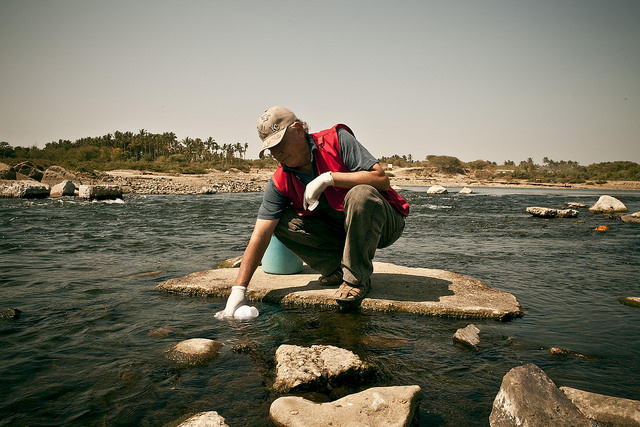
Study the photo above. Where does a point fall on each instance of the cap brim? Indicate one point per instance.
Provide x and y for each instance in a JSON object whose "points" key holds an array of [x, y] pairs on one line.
{"points": [[271, 142]]}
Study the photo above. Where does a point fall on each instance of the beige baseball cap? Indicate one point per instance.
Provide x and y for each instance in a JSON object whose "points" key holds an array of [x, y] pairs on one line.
{"points": [[272, 125]]}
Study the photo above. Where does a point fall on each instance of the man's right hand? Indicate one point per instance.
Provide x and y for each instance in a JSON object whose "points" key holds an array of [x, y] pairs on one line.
{"points": [[236, 299]]}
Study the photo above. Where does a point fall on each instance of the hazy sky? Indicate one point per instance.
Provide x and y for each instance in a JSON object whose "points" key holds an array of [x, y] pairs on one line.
{"points": [[493, 80]]}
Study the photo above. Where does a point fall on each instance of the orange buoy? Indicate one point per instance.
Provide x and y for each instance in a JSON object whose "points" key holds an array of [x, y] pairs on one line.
{"points": [[602, 228]]}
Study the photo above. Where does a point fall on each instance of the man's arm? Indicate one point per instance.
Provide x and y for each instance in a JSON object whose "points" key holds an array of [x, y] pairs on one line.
{"points": [[260, 238], [262, 232], [375, 177]]}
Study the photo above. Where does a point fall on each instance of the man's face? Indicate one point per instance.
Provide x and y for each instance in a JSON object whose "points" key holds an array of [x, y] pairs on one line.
{"points": [[292, 150]]}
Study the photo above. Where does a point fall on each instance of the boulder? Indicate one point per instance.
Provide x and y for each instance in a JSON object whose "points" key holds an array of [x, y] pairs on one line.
{"points": [[632, 218], [204, 419], [316, 367], [65, 188], [469, 336], [436, 189], [466, 190], [28, 170], [606, 410], [100, 192], [608, 204], [551, 213], [528, 397], [377, 406], [7, 172], [56, 174], [24, 189], [194, 351], [630, 301]]}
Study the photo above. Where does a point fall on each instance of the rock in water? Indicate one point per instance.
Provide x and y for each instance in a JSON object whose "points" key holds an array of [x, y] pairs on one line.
{"points": [[469, 336], [316, 367], [194, 351], [64, 188], [527, 397], [437, 189], [24, 189], [204, 419], [608, 204], [100, 192], [551, 213], [631, 218], [605, 410], [466, 190], [377, 406]]}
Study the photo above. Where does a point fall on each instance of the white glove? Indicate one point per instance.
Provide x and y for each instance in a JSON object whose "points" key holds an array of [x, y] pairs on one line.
{"points": [[314, 189], [236, 299]]}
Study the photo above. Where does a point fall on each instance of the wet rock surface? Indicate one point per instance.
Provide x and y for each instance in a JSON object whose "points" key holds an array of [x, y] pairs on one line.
{"points": [[100, 192], [527, 396], [24, 189], [317, 367], [552, 213], [608, 204], [469, 336], [394, 288], [605, 410], [630, 301], [378, 406], [194, 351], [204, 419], [631, 218]]}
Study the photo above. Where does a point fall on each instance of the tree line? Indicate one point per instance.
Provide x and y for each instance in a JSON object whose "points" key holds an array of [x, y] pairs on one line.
{"points": [[165, 152]]}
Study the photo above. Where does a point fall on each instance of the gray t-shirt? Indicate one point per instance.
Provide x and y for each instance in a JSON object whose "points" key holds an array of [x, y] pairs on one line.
{"points": [[354, 156]]}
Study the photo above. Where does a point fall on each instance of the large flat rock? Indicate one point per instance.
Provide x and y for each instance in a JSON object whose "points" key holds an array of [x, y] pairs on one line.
{"points": [[394, 288]]}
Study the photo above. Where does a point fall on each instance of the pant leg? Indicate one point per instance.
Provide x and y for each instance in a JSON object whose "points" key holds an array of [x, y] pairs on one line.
{"points": [[318, 239], [370, 223]]}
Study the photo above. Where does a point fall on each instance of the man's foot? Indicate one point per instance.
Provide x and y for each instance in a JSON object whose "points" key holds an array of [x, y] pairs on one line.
{"points": [[333, 279], [348, 293]]}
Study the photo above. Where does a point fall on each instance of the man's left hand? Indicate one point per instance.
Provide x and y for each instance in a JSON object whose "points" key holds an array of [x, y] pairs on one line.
{"points": [[314, 189]]}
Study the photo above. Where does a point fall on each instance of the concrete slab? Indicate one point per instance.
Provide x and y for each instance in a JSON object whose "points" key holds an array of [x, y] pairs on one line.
{"points": [[394, 288]]}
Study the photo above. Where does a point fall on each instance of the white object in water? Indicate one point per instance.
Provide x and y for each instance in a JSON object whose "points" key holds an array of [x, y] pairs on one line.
{"points": [[245, 312]]}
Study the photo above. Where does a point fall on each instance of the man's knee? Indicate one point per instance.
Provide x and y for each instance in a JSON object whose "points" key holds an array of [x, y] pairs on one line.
{"points": [[361, 197]]}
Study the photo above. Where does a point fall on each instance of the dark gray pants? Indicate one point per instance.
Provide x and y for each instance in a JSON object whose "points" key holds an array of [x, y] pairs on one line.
{"points": [[328, 240]]}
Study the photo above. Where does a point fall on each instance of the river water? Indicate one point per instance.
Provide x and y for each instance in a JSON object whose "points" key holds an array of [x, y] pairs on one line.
{"points": [[88, 348]]}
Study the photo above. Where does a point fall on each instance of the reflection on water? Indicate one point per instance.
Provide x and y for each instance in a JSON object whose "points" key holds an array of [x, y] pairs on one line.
{"points": [[88, 347]]}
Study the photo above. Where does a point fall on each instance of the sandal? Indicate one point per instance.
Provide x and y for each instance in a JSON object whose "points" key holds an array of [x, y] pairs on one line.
{"points": [[349, 293], [333, 279]]}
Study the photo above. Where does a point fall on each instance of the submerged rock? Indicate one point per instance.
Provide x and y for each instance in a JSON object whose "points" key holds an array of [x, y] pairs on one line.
{"points": [[9, 313], [377, 406], [469, 336], [204, 419], [528, 397], [558, 351], [632, 218], [608, 204], [24, 189], [316, 367], [100, 192], [551, 213], [630, 301], [230, 263], [606, 410], [64, 188], [436, 189], [193, 351], [576, 205]]}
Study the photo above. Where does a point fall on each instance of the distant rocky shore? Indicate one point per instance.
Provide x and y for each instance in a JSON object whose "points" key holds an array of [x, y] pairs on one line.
{"points": [[236, 181]]}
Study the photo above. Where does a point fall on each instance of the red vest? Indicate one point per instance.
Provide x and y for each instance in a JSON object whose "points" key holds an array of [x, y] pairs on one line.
{"points": [[327, 158]]}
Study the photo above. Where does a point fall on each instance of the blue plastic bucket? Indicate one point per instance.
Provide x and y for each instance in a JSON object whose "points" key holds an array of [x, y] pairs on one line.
{"points": [[279, 260]]}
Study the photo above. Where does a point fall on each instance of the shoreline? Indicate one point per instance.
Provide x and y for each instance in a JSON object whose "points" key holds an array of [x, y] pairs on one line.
{"points": [[236, 181]]}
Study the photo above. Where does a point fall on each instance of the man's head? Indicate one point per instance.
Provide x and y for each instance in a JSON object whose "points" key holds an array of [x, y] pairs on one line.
{"points": [[273, 124]]}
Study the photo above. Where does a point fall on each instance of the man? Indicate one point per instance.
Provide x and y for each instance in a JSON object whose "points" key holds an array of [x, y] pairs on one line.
{"points": [[329, 202]]}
